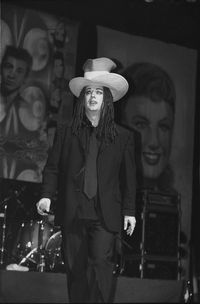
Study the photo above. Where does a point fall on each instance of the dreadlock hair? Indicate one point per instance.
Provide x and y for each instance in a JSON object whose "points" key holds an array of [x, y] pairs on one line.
{"points": [[106, 130]]}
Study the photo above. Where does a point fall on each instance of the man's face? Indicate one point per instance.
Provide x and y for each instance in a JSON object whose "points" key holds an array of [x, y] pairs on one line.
{"points": [[93, 98], [60, 32], [58, 68], [154, 121], [13, 73]]}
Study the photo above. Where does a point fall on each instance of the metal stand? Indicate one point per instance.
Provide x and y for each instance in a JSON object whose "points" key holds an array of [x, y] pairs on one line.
{"points": [[14, 195], [2, 249], [41, 250]]}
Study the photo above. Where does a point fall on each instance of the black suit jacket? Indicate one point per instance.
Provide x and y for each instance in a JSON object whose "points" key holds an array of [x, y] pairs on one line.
{"points": [[116, 172]]}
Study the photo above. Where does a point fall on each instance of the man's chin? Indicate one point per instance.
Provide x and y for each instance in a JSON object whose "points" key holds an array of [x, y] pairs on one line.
{"points": [[6, 91]]}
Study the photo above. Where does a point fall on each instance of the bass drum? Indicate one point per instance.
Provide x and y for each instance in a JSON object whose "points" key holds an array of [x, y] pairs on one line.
{"points": [[31, 236], [53, 253]]}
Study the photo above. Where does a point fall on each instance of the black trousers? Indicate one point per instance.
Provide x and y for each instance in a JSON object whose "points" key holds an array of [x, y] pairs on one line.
{"points": [[88, 254]]}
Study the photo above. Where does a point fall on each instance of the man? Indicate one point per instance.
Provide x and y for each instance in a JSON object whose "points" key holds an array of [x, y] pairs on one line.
{"points": [[22, 126], [90, 158], [59, 36], [59, 84], [15, 67]]}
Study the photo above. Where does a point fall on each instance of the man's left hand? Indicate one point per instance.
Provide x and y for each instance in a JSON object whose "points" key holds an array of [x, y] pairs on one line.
{"points": [[129, 224]]}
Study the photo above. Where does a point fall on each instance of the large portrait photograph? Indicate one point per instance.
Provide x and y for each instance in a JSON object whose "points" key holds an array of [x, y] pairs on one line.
{"points": [[160, 108], [99, 151], [37, 58]]}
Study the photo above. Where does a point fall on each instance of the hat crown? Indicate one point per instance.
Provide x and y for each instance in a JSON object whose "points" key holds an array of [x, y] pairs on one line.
{"points": [[102, 64], [98, 71]]}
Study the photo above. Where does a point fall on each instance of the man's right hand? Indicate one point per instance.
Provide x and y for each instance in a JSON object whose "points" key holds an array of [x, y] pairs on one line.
{"points": [[43, 205]]}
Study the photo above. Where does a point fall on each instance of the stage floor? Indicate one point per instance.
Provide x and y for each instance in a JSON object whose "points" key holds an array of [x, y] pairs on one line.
{"points": [[35, 287]]}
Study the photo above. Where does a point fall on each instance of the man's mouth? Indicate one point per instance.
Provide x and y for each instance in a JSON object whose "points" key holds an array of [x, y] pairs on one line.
{"points": [[9, 83], [93, 102]]}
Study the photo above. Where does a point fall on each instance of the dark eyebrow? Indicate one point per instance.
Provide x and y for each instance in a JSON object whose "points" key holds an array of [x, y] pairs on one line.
{"points": [[7, 63], [166, 119], [140, 117]]}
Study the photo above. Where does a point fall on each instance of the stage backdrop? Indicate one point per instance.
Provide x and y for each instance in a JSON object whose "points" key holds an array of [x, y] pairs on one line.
{"points": [[28, 120], [180, 63]]}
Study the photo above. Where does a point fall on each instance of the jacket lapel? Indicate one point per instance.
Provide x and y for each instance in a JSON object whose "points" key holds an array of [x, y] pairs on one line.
{"points": [[102, 147]]}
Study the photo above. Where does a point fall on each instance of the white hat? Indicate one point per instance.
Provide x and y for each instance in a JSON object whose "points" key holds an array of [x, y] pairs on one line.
{"points": [[97, 71]]}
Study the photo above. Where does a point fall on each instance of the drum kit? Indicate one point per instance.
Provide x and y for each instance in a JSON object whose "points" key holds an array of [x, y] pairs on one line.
{"points": [[37, 246]]}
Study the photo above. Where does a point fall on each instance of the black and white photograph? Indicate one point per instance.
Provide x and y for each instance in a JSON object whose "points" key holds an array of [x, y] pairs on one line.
{"points": [[99, 146]]}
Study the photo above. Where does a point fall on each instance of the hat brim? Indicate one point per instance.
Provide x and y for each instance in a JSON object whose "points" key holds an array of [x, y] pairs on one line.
{"points": [[117, 84]]}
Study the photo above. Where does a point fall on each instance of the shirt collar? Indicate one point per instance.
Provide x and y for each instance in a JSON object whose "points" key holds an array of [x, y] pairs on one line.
{"points": [[86, 122]]}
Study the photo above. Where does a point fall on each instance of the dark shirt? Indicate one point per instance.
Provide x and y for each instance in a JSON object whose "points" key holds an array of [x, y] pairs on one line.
{"points": [[88, 208]]}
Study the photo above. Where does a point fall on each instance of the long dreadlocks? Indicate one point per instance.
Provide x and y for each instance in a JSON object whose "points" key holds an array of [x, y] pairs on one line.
{"points": [[106, 130]]}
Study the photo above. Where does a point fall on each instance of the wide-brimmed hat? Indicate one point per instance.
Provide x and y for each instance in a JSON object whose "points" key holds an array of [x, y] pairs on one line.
{"points": [[97, 71]]}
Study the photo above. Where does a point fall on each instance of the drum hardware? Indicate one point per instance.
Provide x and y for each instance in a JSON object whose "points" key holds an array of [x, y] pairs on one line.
{"points": [[2, 249], [30, 243], [54, 259], [35, 242], [28, 257], [14, 195], [38, 246], [41, 265], [46, 257]]}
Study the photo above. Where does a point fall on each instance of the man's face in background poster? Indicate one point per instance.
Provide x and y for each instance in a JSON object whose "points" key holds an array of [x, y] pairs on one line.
{"points": [[14, 72]]}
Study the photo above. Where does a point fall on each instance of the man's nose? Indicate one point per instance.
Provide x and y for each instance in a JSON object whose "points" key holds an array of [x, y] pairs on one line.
{"points": [[11, 73]]}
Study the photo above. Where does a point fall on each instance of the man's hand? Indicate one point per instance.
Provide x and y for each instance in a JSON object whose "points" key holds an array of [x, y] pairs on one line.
{"points": [[43, 205], [129, 224]]}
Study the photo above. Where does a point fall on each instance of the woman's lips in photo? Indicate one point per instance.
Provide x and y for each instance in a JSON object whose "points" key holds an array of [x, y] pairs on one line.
{"points": [[151, 158]]}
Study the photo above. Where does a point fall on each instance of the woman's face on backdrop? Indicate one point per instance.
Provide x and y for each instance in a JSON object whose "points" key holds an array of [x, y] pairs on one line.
{"points": [[154, 121]]}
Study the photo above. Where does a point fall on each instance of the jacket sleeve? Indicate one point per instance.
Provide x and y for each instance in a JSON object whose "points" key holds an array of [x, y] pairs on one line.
{"points": [[51, 169], [129, 176]]}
